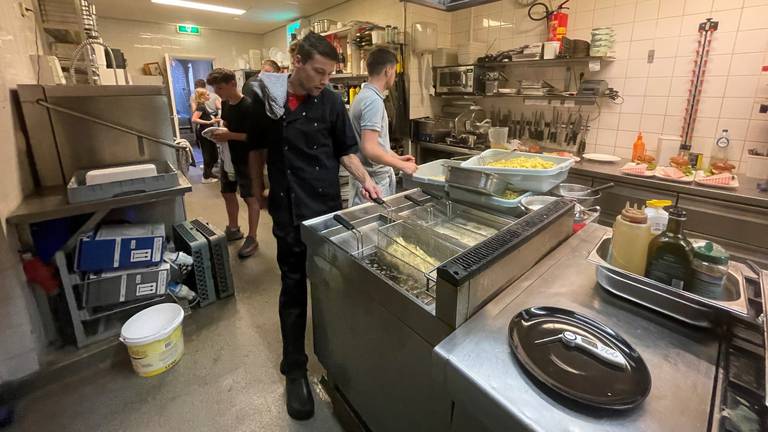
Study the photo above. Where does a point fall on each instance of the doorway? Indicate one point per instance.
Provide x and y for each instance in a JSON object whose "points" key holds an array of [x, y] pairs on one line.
{"points": [[182, 73]]}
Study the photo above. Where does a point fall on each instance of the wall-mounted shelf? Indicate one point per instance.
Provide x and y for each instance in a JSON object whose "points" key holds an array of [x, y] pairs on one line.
{"points": [[541, 63], [348, 77], [578, 100]]}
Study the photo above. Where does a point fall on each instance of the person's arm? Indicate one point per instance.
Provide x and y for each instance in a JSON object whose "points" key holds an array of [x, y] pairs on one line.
{"points": [[356, 169], [345, 148], [196, 119], [370, 148], [372, 122], [225, 135]]}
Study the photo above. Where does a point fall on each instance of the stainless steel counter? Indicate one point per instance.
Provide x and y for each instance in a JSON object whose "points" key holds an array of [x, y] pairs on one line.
{"points": [[493, 393], [746, 193]]}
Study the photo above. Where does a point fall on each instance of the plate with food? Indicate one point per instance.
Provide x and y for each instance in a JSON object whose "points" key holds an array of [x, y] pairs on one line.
{"points": [[678, 170], [564, 154], [719, 175], [637, 169], [601, 157]]}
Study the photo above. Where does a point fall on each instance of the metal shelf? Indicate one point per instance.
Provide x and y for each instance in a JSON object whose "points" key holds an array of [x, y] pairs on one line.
{"points": [[349, 77], [539, 63], [51, 203]]}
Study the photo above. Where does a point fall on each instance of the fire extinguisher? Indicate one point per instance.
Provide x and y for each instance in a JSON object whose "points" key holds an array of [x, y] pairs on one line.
{"points": [[557, 19]]}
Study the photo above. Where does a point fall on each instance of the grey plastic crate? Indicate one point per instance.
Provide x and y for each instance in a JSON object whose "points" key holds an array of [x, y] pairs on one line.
{"points": [[217, 242], [78, 191], [188, 240]]}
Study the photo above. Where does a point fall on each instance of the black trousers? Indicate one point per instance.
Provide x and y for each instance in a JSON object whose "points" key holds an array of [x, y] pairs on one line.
{"points": [[210, 155], [292, 260]]}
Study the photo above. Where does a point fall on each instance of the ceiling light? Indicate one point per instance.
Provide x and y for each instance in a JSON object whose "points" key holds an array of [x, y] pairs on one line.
{"points": [[201, 6]]}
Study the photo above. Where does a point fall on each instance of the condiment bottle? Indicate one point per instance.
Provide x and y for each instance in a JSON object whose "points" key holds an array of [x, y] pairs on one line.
{"points": [[638, 148], [670, 254], [657, 217], [710, 268], [629, 245], [720, 148]]}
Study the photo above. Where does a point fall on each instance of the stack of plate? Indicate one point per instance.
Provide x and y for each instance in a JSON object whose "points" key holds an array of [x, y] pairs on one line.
{"points": [[344, 186], [470, 51], [603, 42]]}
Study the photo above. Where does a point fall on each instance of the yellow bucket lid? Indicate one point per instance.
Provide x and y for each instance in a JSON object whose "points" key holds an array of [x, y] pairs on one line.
{"points": [[658, 203]]}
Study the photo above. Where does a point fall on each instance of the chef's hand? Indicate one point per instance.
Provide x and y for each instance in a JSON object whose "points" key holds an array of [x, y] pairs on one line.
{"points": [[407, 158], [370, 190]]}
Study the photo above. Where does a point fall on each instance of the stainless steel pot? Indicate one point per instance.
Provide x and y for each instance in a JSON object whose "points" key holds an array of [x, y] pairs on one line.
{"points": [[323, 25], [576, 192]]}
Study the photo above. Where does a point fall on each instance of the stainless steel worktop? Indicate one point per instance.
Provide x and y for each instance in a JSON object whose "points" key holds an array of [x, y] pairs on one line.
{"points": [[746, 193], [477, 367]]}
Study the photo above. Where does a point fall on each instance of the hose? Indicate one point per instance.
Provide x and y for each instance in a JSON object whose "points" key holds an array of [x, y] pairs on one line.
{"points": [[79, 50]]}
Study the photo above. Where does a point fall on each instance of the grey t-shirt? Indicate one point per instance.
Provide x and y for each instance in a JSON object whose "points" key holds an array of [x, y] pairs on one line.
{"points": [[368, 113]]}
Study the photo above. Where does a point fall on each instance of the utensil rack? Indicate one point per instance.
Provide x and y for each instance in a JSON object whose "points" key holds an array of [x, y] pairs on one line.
{"points": [[706, 29]]}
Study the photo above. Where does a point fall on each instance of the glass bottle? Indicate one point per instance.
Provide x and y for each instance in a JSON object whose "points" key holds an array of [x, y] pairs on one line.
{"points": [[670, 254], [720, 148]]}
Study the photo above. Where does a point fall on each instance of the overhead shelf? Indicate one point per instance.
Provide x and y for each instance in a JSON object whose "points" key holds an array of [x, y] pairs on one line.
{"points": [[345, 76], [540, 63]]}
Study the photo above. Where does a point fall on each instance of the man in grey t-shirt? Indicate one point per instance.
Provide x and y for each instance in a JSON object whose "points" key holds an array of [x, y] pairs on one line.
{"points": [[371, 124]]}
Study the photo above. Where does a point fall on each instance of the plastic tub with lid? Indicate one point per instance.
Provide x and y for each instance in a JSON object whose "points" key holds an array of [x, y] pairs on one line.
{"points": [[530, 179]]}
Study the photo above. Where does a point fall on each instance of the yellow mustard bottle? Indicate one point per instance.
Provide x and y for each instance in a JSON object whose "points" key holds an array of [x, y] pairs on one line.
{"points": [[629, 245]]}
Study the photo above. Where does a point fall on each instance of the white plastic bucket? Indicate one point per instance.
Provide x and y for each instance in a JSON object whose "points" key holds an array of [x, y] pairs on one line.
{"points": [[154, 338]]}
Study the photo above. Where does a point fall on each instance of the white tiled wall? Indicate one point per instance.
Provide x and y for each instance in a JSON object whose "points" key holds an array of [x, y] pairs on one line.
{"points": [[655, 94], [18, 328]]}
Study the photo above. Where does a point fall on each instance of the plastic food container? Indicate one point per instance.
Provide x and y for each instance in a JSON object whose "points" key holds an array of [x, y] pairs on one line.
{"points": [[534, 180], [710, 267], [510, 207], [430, 176]]}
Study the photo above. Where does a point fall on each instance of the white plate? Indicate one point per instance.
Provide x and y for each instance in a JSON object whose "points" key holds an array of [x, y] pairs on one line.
{"points": [[686, 179], [601, 157], [208, 133], [734, 183]]}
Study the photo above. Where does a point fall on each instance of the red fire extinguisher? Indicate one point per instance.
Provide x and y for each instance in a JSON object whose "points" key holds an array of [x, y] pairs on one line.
{"points": [[558, 24], [557, 19]]}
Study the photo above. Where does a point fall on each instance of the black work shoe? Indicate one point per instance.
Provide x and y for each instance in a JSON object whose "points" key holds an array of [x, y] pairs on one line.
{"points": [[249, 247], [233, 233], [298, 397]]}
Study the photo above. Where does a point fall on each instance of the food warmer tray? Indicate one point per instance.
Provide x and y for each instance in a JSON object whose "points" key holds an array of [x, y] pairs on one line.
{"points": [[679, 304]]}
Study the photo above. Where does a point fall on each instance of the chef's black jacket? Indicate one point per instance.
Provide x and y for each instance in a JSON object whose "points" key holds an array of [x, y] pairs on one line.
{"points": [[304, 147]]}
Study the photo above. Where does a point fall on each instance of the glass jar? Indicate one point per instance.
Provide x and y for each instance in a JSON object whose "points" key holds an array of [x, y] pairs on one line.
{"points": [[710, 268]]}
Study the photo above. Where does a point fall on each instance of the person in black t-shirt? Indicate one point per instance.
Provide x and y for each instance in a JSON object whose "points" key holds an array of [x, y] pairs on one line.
{"points": [[247, 167], [204, 119]]}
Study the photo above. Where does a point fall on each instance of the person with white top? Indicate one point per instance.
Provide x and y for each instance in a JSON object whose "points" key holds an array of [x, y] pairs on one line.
{"points": [[371, 125]]}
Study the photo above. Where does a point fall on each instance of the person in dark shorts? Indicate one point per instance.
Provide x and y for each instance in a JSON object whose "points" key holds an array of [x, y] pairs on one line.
{"points": [[203, 118], [236, 113]]}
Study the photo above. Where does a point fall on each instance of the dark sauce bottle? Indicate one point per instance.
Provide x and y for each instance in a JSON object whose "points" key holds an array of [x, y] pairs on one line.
{"points": [[670, 254]]}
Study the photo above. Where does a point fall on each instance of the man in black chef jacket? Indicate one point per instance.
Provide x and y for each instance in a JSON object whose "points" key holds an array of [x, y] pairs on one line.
{"points": [[306, 129]]}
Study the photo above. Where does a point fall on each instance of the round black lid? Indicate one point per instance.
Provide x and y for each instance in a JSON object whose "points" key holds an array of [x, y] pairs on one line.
{"points": [[579, 357]]}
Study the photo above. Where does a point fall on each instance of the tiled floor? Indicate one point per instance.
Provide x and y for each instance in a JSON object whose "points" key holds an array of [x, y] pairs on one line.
{"points": [[228, 379]]}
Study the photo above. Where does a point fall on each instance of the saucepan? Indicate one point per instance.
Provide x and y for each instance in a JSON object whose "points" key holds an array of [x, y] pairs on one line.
{"points": [[585, 196]]}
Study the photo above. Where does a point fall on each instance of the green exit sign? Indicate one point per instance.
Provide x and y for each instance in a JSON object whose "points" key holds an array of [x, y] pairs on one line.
{"points": [[188, 29]]}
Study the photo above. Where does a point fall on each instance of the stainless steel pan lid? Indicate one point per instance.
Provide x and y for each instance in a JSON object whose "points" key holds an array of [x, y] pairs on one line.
{"points": [[579, 357]]}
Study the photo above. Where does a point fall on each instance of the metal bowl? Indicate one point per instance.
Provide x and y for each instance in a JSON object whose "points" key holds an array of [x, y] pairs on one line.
{"points": [[577, 193]]}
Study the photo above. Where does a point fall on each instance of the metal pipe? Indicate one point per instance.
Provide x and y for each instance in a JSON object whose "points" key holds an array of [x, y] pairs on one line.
{"points": [[79, 49], [111, 125]]}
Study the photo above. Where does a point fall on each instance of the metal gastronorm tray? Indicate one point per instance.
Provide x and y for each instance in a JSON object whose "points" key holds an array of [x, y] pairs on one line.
{"points": [[693, 309]]}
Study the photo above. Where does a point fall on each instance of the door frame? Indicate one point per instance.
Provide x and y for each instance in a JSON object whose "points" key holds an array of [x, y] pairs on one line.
{"points": [[169, 81]]}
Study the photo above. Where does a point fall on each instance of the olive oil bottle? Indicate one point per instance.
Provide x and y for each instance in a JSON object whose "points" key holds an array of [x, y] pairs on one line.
{"points": [[670, 254]]}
